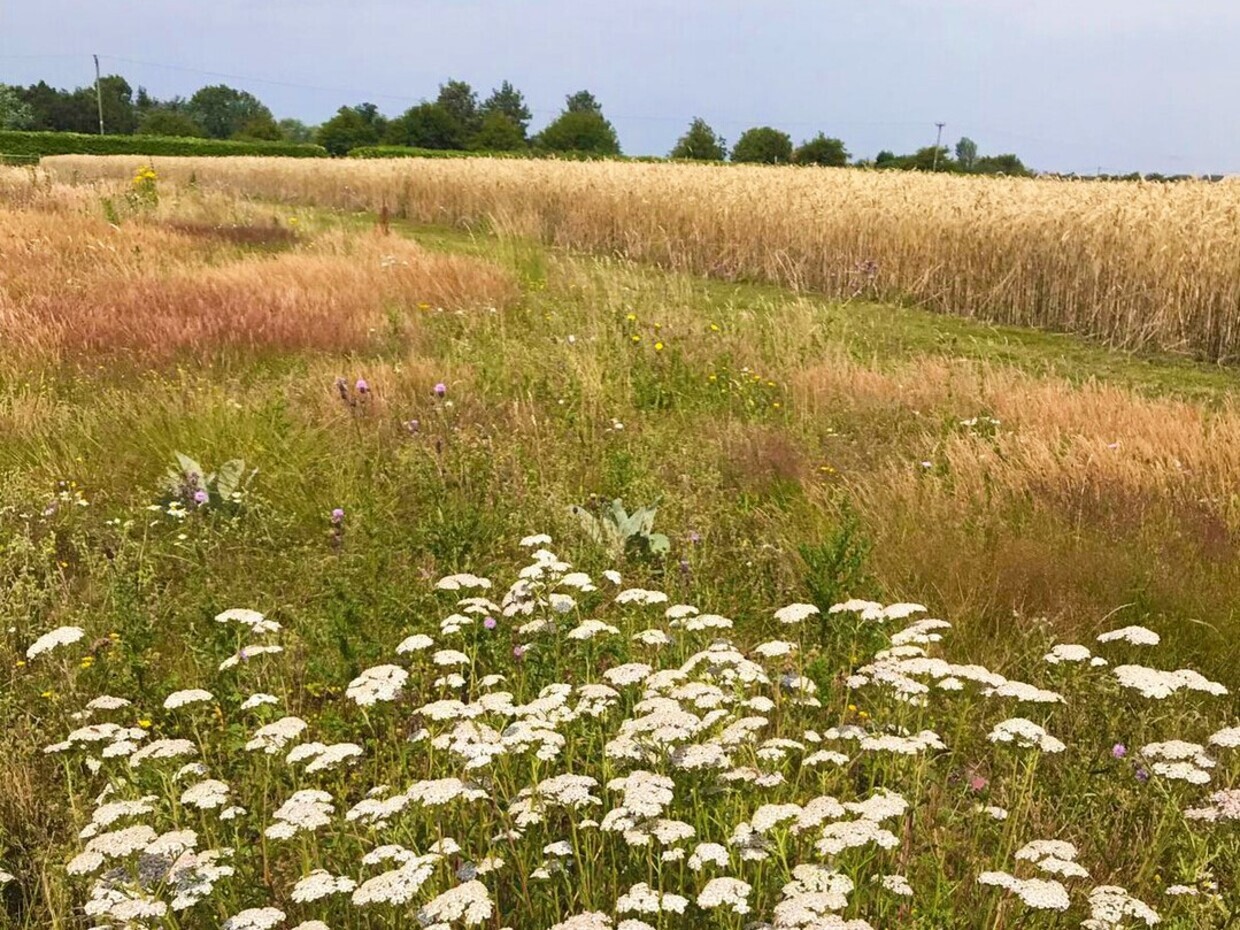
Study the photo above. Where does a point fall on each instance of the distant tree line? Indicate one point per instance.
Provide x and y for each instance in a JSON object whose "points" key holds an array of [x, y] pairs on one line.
{"points": [[457, 119]]}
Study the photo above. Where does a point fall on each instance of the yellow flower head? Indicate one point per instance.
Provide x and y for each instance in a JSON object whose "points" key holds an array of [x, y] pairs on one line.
{"points": [[658, 347], [145, 723]]}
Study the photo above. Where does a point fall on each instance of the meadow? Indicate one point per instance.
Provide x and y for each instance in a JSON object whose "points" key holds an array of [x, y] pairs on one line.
{"points": [[579, 546]]}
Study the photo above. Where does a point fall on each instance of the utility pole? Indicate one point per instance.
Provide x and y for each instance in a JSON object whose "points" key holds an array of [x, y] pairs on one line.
{"points": [[938, 142], [98, 94]]}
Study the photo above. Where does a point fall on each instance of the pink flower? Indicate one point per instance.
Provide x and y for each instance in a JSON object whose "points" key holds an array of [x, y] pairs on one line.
{"points": [[490, 623], [1119, 750], [440, 389]]}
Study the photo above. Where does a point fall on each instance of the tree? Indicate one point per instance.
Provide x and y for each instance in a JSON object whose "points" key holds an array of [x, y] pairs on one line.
{"points": [[509, 101], [583, 102], [580, 131], [459, 99], [884, 158], [700, 143], [1002, 164], [966, 153], [931, 158], [763, 145], [294, 130], [261, 127], [222, 110], [164, 122], [822, 150], [15, 113], [499, 132], [426, 126], [350, 128]]}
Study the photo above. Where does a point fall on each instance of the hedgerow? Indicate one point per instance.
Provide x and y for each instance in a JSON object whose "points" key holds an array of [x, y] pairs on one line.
{"points": [[20, 146]]}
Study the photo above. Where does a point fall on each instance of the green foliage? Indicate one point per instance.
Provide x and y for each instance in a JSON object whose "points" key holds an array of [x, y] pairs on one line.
{"points": [[261, 126], [499, 132], [15, 112], [351, 127], [618, 532], [763, 145], [582, 102], [189, 485], [163, 122], [224, 111], [966, 153], [509, 101], [460, 101], [700, 143], [294, 130], [36, 144], [822, 150], [584, 130], [427, 126], [1009, 165]]}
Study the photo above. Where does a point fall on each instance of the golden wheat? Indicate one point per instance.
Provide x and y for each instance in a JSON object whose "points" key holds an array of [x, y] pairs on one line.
{"points": [[1137, 265]]}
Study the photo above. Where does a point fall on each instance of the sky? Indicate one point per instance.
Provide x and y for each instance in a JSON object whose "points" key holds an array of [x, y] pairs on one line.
{"points": [[1069, 85]]}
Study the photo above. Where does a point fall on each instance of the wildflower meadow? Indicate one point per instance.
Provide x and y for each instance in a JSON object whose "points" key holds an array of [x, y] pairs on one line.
{"points": [[365, 574]]}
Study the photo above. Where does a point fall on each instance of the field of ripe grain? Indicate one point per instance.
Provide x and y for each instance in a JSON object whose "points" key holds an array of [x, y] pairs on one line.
{"points": [[1138, 266], [367, 573]]}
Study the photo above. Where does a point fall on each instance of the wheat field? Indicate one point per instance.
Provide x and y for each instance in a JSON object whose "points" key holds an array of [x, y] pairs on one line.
{"points": [[1137, 265]]}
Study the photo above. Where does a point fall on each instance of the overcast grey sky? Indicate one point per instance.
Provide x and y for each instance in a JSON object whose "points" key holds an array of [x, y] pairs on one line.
{"points": [[1073, 85]]}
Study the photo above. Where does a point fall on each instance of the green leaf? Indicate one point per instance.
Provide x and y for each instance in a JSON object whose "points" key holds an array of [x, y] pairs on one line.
{"points": [[228, 479]]}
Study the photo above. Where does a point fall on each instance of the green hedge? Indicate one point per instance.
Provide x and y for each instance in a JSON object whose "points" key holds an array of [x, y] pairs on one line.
{"points": [[404, 151], [32, 145]]}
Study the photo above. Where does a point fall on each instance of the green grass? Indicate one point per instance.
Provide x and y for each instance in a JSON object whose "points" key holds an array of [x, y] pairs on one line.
{"points": [[764, 504]]}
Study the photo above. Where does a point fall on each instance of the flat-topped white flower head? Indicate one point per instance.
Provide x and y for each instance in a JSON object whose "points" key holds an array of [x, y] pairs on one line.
{"points": [[1022, 732], [795, 613], [254, 918], [61, 636], [462, 580], [251, 619], [189, 696], [1135, 635], [379, 683], [731, 893]]}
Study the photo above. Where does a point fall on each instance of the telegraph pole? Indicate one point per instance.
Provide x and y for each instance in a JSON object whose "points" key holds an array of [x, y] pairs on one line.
{"points": [[98, 94], [938, 142]]}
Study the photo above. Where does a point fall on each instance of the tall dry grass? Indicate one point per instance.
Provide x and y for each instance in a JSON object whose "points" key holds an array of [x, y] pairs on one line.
{"points": [[1136, 265], [76, 287]]}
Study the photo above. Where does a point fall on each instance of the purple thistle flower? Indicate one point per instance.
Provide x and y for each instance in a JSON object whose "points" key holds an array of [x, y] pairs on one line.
{"points": [[338, 516], [1142, 776], [490, 623], [414, 426], [363, 387], [201, 497], [518, 651], [440, 389], [1119, 750], [694, 537]]}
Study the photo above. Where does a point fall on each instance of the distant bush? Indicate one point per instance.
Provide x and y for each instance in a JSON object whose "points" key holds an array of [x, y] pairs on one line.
{"points": [[763, 146], [32, 145], [408, 151]]}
